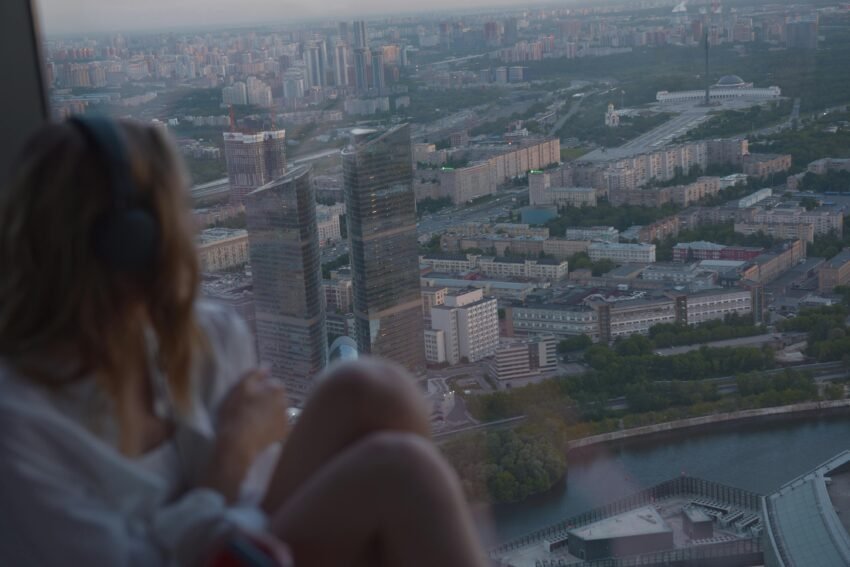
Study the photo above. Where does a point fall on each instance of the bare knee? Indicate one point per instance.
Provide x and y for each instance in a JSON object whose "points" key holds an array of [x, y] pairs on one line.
{"points": [[407, 465], [376, 391]]}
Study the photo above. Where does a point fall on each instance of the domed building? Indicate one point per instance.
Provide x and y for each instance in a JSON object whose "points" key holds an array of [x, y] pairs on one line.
{"points": [[727, 88], [732, 82]]}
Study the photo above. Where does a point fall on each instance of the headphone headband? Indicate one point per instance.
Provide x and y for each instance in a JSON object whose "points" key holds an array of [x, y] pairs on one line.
{"points": [[126, 235]]}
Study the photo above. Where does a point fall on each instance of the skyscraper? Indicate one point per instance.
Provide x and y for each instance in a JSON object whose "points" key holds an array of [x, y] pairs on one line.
{"points": [[253, 160], [315, 64], [379, 81], [381, 212], [341, 64], [286, 269], [802, 34], [362, 57], [344, 32], [511, 35], [360, 38]]}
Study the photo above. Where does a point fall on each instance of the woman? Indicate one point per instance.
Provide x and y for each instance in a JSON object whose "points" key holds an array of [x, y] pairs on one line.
{"points": [[131, 413]]}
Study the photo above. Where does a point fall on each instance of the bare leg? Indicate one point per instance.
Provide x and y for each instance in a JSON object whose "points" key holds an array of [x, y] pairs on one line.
{"points": [[390, 496], [352, 400]]}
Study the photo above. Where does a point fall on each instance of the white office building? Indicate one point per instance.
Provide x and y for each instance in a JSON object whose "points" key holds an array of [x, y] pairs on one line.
{"points": [[470, 325]]}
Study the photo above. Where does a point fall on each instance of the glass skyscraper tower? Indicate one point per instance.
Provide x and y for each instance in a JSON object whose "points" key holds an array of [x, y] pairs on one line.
{"points": [[287, 274], [381, 215]]}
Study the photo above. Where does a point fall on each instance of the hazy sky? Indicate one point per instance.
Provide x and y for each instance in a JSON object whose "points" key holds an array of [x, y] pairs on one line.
{"points": [[64, 16]]}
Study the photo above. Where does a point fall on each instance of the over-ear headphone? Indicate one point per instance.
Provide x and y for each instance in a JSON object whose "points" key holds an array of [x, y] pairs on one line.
{"points": [[126, 236]]}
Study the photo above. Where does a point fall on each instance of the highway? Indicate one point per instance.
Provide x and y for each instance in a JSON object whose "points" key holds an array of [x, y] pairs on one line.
{"points": [[757, 340], [220, 187], [501, 204], [573, 109]]}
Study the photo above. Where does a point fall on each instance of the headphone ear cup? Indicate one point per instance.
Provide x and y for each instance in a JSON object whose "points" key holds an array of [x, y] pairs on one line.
{"points": [[127, 240]]}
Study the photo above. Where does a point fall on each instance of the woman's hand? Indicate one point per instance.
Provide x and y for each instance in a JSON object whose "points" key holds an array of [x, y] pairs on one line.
{"points": [[251, 418]]}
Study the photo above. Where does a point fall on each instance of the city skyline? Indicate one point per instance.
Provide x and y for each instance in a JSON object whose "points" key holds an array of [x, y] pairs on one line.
{"points": [[61, 17]]}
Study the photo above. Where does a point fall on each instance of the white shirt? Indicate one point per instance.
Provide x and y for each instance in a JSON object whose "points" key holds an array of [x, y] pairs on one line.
{"points": [[69, 497]]}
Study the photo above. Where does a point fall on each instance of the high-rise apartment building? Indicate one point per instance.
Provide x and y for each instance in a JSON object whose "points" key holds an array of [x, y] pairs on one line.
{"points": [[341, 64], [362, 61], [360, 37], [344, 32], [511, 34], [287, 274], [253, 160], [802, 34], [381, 212], [379, 81], [315, 64]]}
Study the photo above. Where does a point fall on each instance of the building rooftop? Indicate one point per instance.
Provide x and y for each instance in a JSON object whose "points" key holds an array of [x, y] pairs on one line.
{"points": [[729, 81], [762, 157], [210, 235], [642, 521], [806, 517], [696, 514], [456, 257], [838, 261], [451, 281], [721, 265], [626, 271], [700, 245]]}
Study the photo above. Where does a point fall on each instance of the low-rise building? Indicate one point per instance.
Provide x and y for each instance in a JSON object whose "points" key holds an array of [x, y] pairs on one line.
{"points": [[520, 359], [636, 316], [770, 265], [562, 321], [206, 217], [783, 231], [703, 187], [328, 224], [702, 250], [529, 268], [764, 165], [506, 245], [717, 304], [753, 198], [824, 219], [641, 197], [659, 230], [622, 253], [603, 233], [835, 272], [540, 269], [676, 273], [222, 248], [464, 184], [339, 292]]}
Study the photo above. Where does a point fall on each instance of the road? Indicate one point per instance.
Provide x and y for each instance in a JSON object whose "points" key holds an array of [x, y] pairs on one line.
{"points": [[770, 130], [477, 212], [221, 187], [689, 117], [573, 109], [757, 340]]}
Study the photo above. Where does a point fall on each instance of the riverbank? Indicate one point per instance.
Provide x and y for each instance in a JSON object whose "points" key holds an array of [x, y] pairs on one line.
{"points": [[708, 420], [758, 455]]}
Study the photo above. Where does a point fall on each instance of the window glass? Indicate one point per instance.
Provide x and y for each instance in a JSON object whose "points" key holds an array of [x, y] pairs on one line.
{"points": [[537, 211]]}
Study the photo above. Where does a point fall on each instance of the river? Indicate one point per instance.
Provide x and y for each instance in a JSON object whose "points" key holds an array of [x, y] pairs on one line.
{"points": [[758, 456]]}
